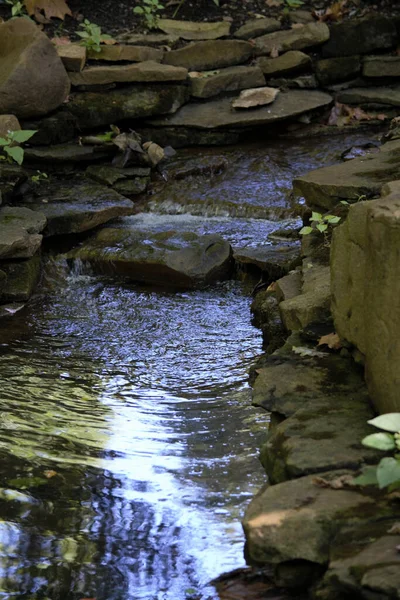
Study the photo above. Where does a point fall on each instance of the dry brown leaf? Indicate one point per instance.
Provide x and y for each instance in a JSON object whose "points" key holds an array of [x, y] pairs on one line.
{"points": [[52, 8], [335, 484], [50, 473], [272, 3], [272, 287], [381, 117], [331, 340], [395, 529], [274, 52], [61, 41]]}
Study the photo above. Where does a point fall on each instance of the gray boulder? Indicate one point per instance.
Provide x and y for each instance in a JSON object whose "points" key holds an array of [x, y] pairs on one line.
{"points": [[33, 80]]}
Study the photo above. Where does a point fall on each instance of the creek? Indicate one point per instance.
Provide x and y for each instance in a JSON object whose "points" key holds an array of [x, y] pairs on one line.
{"points": [[127, 439]]}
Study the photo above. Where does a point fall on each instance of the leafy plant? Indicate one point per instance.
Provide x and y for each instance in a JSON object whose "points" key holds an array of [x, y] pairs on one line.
{"points": [[387, 473], [9, 145], [321, 223], [149, 12], [92, 36], [294, 3], [17, 8], [40, 176]]}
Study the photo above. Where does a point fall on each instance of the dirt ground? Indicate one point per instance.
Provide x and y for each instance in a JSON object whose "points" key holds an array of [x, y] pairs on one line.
{"points": [[117, 16]]}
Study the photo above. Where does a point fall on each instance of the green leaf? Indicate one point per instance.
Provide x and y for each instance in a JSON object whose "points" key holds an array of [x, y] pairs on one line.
{"points": [[322, 227], [388, 472], [332, 219], [345, 202], [367, 477], [23, 135], [138, 10], [380, 441], [306, 230], [315, 216], [388, 422], [16, 153], [4, 142]]}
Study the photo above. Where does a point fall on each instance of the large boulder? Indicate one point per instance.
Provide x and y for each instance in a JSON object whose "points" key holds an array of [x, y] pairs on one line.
{"points": [[33, 80], [184, 260]]}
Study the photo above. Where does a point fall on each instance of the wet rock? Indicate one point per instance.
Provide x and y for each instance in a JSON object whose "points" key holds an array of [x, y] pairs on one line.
{"points": [[8, 123], [69, 153], [272, 261], [289, 62], [128, 182], [58, 128], [31, 221], [189, 30], [332, 70], [145, 71], [3, 279], [22, 278], [119, 53], [313, 34], [297, 520], [267, 318], [218, 113], [203, 56], [363, 176], [182, 137], [371, 96], [206, 85], [11, 176], [381, 66], [181, 169], [16, 242], [289, 286], [257, 27], [34, 81], [312, 304], [255, 97], [76, 207], [73, 56], [131, 102], [322, 436], [360, 36], [183, 260]]}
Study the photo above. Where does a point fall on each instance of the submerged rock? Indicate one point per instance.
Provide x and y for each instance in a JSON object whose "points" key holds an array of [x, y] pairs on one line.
{"points": [[184, 260]]}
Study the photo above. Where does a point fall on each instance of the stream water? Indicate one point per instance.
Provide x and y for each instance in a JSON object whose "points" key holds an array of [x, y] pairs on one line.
{"points": [[128, 443]]}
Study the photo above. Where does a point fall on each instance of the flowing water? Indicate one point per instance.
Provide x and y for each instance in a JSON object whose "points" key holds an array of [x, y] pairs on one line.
{"points": [[128, 443]]}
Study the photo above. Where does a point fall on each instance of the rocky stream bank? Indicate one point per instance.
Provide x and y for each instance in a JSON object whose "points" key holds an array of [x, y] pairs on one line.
{"points": [[108, 125]]}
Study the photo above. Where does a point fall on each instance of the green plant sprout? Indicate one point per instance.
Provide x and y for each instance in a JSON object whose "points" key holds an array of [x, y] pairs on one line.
{"points": [[322, 222], [17, 9], [294, 3], [40, 176], [92, 36], [387, 473], [149, 12], [10, 151]]}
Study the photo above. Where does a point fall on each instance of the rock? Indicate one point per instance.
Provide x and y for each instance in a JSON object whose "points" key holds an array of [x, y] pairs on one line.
{"points": [[218, 113], [257, 27], [148, 39], [289, 62], [31, 221], [312, 304], [360, 36], [120, 53], [364, 559], [255, 97], [322, 436], [332, 70], [11, 176], [301, 16], [267, 318], [128, 182], [16, 242], [182, 137], [73, 56], [34, 81], [273, 261], [289, 382], [203, 166], [289, 286], [371, 96], [183, 260], [22, 278], [204, 56], [144, 71], [130, 102], [3, 279], [313, 34], [69, 153], [8, 123], [297, 520], [364, 176], [76, 207], [206, 85], [189, 30], [58, 128], [302, 82], [381, 66]]}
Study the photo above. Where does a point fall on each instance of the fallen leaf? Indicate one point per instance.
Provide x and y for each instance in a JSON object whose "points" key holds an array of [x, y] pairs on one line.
{"points": [[272, 3], [52, 8], [50, 473], [61, 41], [331, 340], [395, 529], [109, 42], [335, 484], [274, 52]]}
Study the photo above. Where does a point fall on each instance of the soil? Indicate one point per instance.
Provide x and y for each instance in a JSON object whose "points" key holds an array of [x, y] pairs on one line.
{"points": [[117, 16]]}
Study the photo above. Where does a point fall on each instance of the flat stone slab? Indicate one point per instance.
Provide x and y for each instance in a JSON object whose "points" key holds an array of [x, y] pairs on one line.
{"points": [[256, 28], [184, 260], [130, 102], [218, 113], [297, 520], [127, 53], [202, 56], [377, 95], [73, 56], [208, 84], [16, 242], [189, 30], [381, 66], [351, 179], [312, 34], [69, 153], [274, 261], [77, 207], [30, 220], [332, 70], [289, 62], [150, 71], [148, 39]]}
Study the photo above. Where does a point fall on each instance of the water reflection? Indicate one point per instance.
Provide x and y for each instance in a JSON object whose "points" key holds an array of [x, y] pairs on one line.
{"points": [[128, 442]]}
